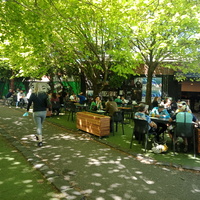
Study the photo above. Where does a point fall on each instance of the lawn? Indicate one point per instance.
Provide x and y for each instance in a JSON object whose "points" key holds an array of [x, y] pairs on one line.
{"points": [[19, 180]]}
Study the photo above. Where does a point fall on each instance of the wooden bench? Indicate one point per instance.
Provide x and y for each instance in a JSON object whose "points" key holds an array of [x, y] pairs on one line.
{"points": [[93, 123]]}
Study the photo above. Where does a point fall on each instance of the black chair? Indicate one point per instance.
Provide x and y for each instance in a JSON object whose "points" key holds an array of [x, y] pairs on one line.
{"points": [[128, 114], [117, 118], [141, 132], [72, 111], [185, 130]]}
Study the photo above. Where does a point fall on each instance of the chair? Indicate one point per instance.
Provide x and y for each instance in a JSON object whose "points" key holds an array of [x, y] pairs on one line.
{"points": [[128, 114], [72, 111], [141, 132], [117, 118], [183, 129]]}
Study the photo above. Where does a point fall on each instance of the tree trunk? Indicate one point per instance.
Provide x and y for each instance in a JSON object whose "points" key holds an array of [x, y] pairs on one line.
{"points": [[151, 69], [83, 83], [149, 88], [97, 89]]}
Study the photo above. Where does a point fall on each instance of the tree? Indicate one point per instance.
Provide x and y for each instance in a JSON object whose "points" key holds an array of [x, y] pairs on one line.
{"points": [[164, 33], [80, 35], [99, 38]]}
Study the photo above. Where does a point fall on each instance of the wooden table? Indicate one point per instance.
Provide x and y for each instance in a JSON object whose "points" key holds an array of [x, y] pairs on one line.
{"points": [[93, 123], [124, 108]]}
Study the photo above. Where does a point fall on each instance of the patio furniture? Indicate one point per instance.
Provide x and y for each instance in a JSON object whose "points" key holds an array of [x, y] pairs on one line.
{"points": [[141, 132], [117, 118], [183, 129], [93, 123]]}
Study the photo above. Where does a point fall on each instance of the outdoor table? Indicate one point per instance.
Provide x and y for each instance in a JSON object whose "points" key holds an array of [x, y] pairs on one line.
{"points": [[81, 107], [124, 108], [160, 120], [101, 112]]}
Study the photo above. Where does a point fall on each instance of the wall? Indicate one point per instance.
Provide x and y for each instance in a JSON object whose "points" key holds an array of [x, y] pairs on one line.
{"points": [[190, 86]]}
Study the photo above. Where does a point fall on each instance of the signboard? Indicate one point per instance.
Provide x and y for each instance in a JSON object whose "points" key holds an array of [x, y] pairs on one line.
{"points": [[140, 84]]}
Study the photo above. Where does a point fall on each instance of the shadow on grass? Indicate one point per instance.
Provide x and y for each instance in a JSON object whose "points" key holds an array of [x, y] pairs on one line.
{"points": [[20, 180]]}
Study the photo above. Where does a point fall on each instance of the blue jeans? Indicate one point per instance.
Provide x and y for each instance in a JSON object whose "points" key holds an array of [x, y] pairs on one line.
{"points": [[39, 118]]}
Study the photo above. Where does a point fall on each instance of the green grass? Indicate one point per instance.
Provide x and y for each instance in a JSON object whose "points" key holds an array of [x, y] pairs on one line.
{"points": [[19, 180], [122, 142]]}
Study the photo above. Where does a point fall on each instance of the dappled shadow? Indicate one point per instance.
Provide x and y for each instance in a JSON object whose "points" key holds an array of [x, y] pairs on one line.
{"points": [[86, 167], [19, 179]]}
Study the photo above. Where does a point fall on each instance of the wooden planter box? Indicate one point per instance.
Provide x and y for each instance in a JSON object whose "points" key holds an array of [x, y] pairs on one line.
{"points": [[93, 123]]}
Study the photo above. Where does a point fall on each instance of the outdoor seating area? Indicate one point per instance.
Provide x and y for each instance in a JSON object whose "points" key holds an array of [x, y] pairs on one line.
{"points": [[123, 124], [124, 136], [120, 75]]}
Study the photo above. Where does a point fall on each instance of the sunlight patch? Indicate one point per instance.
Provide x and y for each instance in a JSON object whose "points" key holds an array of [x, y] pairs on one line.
{"points": [[24, 138], [16, 163], [96, 184], [134, 178], [115, 197], [166, 169], [94, 162], [195, 189], [89, 191], [50, 172], [8, 158], [27, 181], [138, 172], [152, 192], [97, 174], [102, 191], [18, 123], [38, 165]]}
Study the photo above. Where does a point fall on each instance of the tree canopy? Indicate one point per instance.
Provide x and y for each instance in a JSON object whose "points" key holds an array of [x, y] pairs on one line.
{"points": [[98, 38]]}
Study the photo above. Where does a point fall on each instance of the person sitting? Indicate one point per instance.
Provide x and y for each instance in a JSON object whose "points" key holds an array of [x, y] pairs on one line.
{"points": [[73, 97], [55, 101], [124, 101], [82, 98], [160, 112], [184, 104], [20, 99], [155, 102], [96, 104], [183, 114], [9, 96], [118, 100], [167, 105], [142, 114]]}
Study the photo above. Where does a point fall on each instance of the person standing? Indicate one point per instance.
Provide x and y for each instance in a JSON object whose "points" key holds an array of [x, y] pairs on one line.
{"points": [[39, 98], [111, 108]]}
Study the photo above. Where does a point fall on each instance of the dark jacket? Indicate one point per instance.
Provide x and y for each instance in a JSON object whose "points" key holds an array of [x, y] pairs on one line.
{"points": [[39, 102]]}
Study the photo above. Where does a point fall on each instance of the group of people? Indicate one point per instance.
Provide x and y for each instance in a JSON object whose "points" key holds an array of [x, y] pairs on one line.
{"points": [[166, 109], [42, 101], [17, 97]]}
